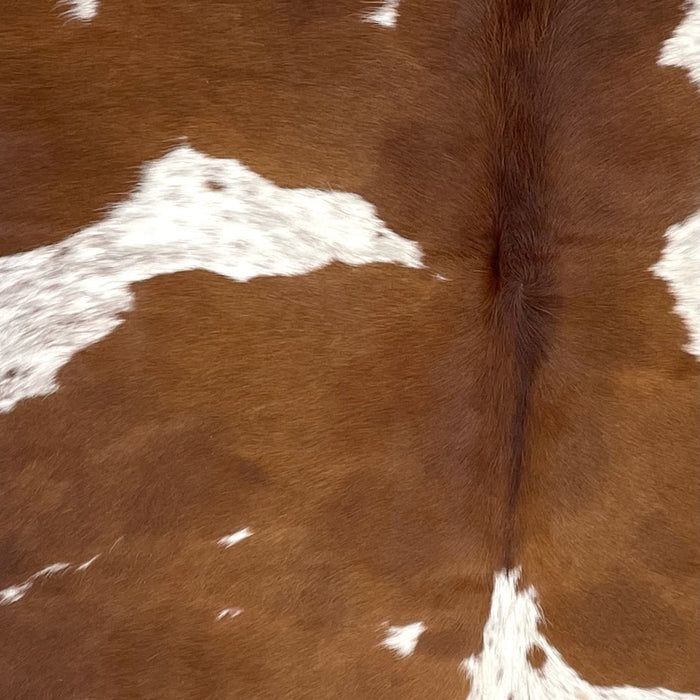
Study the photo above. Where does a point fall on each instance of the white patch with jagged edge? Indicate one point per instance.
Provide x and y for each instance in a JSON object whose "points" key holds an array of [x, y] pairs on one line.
{"points": [[402, 640], [83, 10], [385, 15], [190, 211], [683, 48], [679, 265], [502, 669]]}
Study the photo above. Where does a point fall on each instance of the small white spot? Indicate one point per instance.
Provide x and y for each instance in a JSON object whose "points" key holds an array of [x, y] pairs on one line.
{"points": [[403, 640], [229, 612], [83, 10], [14, 593], [50, 570], [189, 212], [87, 563], [229, 540], [385, 15], [119, 540]]}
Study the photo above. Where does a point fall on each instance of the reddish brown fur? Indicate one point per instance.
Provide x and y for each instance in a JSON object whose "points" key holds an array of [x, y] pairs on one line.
{"points": [[536, 657], [392, 439]]}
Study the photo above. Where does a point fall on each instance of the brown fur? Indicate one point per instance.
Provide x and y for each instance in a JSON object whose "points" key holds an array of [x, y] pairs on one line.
{"points": [[392, 439]]}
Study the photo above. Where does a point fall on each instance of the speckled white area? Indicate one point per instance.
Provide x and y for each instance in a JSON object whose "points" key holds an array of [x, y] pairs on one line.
{"points": [[502, 669], [190, 211]]}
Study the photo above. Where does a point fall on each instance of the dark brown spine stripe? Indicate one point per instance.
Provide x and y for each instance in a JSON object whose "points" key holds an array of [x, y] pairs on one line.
{"points": [[520, 94]]}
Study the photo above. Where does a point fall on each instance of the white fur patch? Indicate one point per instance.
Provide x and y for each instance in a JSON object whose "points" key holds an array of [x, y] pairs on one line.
{"points": [[502, 669], [229, 612], [83, 10], [385, 15], [229, 540], [189, 212], [403, 640], [679, 265], [683, 48]]}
